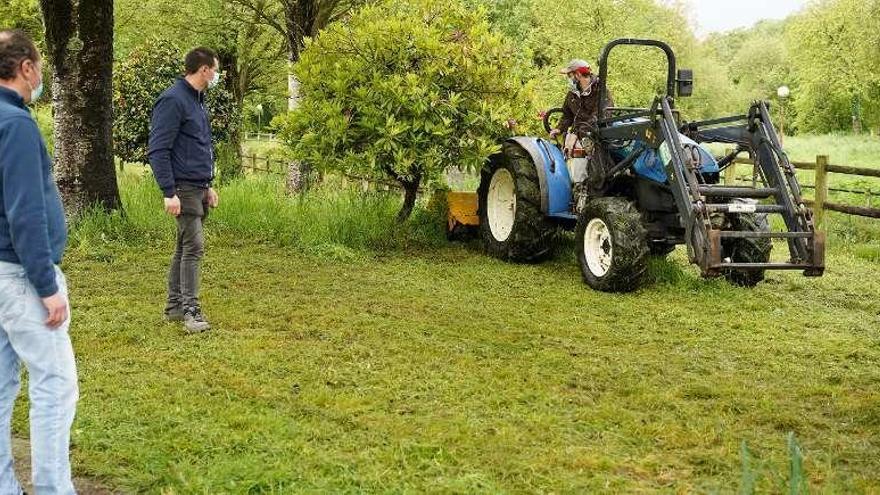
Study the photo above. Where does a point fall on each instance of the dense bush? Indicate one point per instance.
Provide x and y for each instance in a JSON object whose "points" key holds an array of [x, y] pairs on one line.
{"points": [[139, 80], [406, 89]]}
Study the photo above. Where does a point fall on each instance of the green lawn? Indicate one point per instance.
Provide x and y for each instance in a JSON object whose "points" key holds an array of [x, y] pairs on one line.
{"points": [[446, 371], [353, 355], [841, 149]]}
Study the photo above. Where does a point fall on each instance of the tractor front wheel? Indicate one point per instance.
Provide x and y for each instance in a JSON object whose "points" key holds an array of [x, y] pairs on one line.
{"points": [[747, 250], [612, 245]]}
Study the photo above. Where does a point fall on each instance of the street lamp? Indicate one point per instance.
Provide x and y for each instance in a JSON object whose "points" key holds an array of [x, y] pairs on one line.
{"points": [[783, 92]]}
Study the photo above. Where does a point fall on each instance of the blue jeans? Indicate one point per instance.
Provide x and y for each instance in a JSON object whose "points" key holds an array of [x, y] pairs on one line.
{"points": [[52, 387]]}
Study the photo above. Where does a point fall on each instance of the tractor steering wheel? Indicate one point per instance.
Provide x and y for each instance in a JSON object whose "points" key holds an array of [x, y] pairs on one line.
{"points": [[549, 113]]}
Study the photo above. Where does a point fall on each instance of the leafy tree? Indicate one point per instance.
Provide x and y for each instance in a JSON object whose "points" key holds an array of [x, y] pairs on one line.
{"points": [[139, 80], [838, 64], [551, 32], [24, 15], [296, 21], [755, 61], [405, 89]]}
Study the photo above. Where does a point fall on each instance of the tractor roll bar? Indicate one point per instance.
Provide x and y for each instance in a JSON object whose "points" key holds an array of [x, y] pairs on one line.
{"points": [[670, 57]]}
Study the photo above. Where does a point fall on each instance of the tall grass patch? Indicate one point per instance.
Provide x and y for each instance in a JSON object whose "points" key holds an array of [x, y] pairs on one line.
{"points": [[331, 218]]}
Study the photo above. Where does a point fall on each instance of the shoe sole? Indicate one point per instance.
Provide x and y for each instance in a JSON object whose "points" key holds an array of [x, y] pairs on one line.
{"points": [[196, 330]]}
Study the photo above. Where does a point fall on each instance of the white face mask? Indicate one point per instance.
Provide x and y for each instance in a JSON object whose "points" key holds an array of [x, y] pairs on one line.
{"points": [[36, 91], [216, 79]]}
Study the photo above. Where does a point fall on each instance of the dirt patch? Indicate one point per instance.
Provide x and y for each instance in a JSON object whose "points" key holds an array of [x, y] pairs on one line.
{"points": [[21, 451]]}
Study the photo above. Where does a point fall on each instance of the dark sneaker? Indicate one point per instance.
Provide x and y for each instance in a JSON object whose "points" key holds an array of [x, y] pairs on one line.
{"points": [[194, 321], [175, 314]]}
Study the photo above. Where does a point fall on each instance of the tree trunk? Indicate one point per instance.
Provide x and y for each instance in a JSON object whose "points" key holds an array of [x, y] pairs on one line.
{"points": [[79, 38], [299, 21], [410, 192], [296, 180], [292, 89], [229, 64]]}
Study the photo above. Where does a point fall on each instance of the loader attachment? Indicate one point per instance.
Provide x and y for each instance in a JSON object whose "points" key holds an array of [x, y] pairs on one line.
{"points": [[776, 191]]}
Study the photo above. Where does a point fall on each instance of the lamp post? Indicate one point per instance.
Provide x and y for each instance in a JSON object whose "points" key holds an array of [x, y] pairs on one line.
{"points": [[783, 92]]}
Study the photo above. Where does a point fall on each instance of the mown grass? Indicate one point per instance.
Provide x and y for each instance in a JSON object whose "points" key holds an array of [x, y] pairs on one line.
{"points": [[350, 355]]}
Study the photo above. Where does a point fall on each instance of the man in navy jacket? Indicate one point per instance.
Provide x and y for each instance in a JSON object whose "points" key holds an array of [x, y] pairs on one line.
{"points": [[182, 158], [34, 317]]}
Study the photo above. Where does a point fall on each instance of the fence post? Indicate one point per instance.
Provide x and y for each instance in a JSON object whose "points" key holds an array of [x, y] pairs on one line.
{"points": [[730, 171], [821, 191], [253, 162]]}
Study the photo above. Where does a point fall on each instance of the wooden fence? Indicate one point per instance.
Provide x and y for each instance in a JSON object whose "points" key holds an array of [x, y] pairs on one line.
{"points": [[259, 136], [279, 166], [264, 164], [820, 204]]}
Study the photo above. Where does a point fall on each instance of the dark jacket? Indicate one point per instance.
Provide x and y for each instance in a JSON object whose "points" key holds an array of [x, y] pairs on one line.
{"points": [[581, 109], [33, 233], [180, 148]]}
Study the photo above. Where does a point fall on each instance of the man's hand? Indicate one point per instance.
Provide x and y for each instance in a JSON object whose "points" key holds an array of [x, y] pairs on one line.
{"points": [[213, 198], [554, 133], [172, 206], [56, 306]]}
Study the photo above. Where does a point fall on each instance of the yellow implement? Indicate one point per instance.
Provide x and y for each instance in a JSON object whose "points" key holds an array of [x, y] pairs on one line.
{"points": [[462, 218]]}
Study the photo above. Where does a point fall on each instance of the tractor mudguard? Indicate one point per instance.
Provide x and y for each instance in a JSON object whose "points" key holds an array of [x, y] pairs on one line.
{"points": [[552, 175]]}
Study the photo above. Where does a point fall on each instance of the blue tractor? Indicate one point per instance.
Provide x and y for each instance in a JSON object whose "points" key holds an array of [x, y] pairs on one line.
{"points": [[644, 185]]}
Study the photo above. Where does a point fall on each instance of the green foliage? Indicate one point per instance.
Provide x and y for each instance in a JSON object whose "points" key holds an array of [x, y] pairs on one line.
{"points": [[406, 88], [43, 115], [24, 15], [139, 80], [635, 74], [837, 64], [753, 63]]}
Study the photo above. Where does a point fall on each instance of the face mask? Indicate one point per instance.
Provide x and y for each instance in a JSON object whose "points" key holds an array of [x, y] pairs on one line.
{"points": [[216, 79], [37, 92]]}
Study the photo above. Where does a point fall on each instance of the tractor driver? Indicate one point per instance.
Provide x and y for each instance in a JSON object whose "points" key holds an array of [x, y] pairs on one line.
{"points": [[581, 109]]}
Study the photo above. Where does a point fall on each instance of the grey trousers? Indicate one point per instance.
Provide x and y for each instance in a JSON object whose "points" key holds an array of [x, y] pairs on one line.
{"points": [[183, 277]]}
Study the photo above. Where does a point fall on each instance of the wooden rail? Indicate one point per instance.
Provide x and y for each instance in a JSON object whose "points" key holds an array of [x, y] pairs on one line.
{"points": [[820, 167], [260, 136], [820, 203], [278, 166]]}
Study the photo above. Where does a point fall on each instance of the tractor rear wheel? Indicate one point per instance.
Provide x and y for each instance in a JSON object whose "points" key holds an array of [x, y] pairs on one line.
{"points": [[512, 225], [744, 250], [612, 245]]}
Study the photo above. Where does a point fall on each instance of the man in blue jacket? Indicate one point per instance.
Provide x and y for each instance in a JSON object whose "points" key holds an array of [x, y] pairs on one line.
{"points": [[182, 157], [34, 317]]}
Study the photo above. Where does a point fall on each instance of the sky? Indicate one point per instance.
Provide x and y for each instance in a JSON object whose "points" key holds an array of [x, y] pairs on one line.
{"points": [[724, 15]]}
